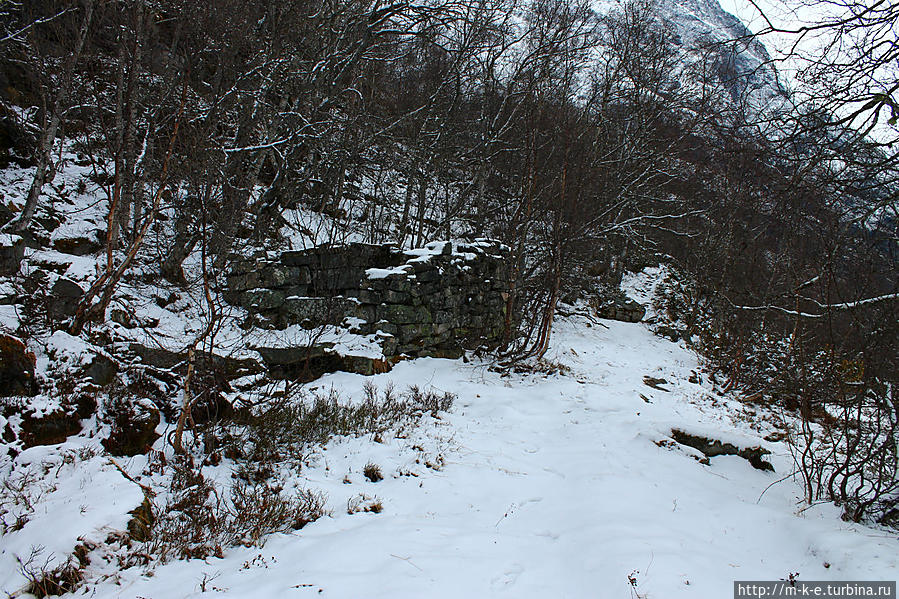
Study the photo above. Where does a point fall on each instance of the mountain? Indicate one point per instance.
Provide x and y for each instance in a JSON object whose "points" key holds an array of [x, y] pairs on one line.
{"points": [[739, 59]]}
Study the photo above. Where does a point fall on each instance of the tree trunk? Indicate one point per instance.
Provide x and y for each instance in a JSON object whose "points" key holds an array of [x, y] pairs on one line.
{"points": [[51, 126]]}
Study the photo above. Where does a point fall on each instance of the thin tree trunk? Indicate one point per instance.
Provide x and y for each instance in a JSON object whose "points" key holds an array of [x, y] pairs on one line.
{"points": [[106, 283], [23, 222], [130, 176], [407, 206], [422, 199]]}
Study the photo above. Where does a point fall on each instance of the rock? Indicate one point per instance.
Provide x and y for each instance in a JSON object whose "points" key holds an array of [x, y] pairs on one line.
{"points": [[12, 250], [400, 314], [365, 365], [6, 214], [16, 368], [16, 142], [49, 429], [102, 370], [80, 245], [166, 359], [669, 333], [140, 526], [262, 300], [655, 383], [290, 356], [713, 447], [50, 263], [133, 427], [620, 308], [311, 362], [121, 317], [65, 295], [315, 311]]}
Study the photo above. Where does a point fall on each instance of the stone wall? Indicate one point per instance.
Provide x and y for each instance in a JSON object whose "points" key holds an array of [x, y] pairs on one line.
{"points": [[433, 301]]}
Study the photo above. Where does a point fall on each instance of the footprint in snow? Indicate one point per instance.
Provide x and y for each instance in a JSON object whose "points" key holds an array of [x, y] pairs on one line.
{"points": [[509, 577]]}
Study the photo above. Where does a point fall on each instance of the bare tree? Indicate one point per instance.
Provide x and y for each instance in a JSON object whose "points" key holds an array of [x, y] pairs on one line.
{"points": [[55, 91]]}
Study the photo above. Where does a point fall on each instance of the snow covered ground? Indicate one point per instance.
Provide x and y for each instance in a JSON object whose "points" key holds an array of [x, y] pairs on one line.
{"points": [[547, 485]]}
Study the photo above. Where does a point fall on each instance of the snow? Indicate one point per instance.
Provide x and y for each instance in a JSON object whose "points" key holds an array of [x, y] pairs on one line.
{"points": [[339, 339], [8, 239], [382, 273], [547, 485], [88, 499], [9, 318]]}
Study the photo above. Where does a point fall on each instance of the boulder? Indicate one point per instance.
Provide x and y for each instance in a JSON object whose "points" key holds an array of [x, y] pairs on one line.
{"points": [[12, 250], [65, 296], [49, 429], [621, 308], [122, 317], [668, 332], [102, 370], [289, 356], [133, 427], [315, 311], [310, 362], [140, 526], [16, 142], [713, 447], [80, 245], [167, 359], [16, 368]]}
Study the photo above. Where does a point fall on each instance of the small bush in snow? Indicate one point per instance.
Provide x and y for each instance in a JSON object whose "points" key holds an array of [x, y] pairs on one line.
{"points": [[46, 581], [258, 510], [372, 472], [287, 427], [364, 503], [199, 517]]}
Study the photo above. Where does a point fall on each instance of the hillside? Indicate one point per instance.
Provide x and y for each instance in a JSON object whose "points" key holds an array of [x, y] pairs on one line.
{"points": [[564, 482]]}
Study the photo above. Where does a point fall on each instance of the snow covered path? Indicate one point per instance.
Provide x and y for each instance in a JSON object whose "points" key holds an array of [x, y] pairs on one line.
{"points": [[552, 487]]}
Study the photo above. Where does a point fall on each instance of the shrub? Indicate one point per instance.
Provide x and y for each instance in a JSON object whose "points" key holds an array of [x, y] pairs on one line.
{"points": [[287, 427], [372, 472]]}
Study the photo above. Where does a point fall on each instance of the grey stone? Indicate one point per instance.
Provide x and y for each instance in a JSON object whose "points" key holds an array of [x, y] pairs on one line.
{"points": [[626, 311], [133, 428], [300, 258], [396, 297], [713, 447], [166, 359], [244, 281], [122, 317], [287, 356], [317, 310], [48, 429], [400, 314], [66, 294], [428, 276], [12, 250], [263, 299], [102, 370]]}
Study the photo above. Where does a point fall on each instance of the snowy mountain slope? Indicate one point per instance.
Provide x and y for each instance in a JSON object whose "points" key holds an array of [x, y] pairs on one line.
{"points": [[559, 484], [741, 62]]}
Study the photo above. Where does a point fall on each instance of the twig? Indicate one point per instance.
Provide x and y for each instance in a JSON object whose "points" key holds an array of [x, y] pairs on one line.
{"points": [[148, 492]]}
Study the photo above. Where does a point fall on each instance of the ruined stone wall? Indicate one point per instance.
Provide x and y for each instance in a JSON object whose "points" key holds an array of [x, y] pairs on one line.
{"points": [[433, 301]]}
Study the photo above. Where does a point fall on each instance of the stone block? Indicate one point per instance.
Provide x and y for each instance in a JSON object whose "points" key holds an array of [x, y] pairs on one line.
{"points": [[400, 314], [262, 300]]}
